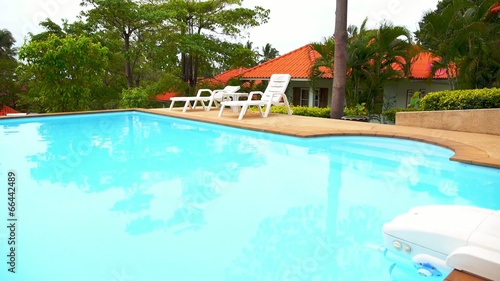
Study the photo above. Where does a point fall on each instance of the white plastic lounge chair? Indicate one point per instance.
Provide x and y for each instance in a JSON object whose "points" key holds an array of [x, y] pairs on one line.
{"points": [[226, 94], [273, 95], [213, 98]]}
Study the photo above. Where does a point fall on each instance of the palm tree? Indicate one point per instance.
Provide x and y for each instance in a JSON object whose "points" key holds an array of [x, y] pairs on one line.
{"points": [[372, 58], [324, 62], [340, 56], [465, 33], [6, 44], [268, 53], [8, 64]]}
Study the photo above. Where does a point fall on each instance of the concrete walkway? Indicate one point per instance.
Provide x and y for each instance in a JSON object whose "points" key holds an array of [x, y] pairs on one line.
{"points": [[479, 149]]}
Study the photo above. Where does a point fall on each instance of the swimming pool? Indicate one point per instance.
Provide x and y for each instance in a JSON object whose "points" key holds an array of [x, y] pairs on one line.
{"points": [[135, 196]]}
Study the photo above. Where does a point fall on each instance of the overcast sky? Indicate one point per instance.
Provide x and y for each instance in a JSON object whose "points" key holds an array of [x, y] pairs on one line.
{"points": [[292, 24]]}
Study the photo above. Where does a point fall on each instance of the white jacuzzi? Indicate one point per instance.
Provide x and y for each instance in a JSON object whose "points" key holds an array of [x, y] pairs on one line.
{"points": [[437, 239]]}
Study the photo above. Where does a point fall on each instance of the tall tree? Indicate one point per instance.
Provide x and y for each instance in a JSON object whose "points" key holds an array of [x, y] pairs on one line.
{"points": [[324, 62], [130, 19], [61, 73], [237, 55], [463, 33], [8, 64], [373, 57], [202, 28], [7, 42], [268, 53], [340, 66]]}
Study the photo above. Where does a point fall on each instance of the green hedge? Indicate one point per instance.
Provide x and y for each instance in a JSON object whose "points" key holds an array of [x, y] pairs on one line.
{"points": [[323, 112], [461, 99]]}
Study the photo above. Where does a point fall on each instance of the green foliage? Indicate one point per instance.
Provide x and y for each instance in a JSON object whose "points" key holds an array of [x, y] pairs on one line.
{"points": [[415, 100], [268, 53], [390, 114], [9, 87], [133, 22], [371, 57], [134, 98], [359, 110], [201, 28], [462, 99], [464, 33], [7, 41], [322, 112], [235, 55], [61, 74]]}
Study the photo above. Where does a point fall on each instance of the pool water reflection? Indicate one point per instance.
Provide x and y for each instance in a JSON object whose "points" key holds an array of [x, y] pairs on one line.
{"points": [[135, 196]]}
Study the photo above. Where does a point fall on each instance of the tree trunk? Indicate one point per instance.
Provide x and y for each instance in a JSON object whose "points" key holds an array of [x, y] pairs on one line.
{"points": [[340, 58], [128, 68]]}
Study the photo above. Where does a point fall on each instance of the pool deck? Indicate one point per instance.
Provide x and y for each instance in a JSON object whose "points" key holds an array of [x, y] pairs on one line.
{"points": [[479, 149]]}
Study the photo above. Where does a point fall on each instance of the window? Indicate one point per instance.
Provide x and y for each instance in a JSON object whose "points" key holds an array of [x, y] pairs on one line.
{"points": [[422, 93], [304, 97], [409, 94], [317, 99], [301, 97]]}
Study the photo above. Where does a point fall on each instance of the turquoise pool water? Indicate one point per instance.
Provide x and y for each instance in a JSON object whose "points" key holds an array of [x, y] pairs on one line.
{"points": [[141, 197]]}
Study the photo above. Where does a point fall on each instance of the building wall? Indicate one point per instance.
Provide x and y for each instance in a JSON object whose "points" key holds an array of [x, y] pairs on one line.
{"points": [[323, 83], [398, 93]]}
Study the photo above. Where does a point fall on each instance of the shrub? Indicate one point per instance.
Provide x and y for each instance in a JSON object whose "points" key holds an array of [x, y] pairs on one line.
{"points": [[390, 114], [134, 98], [322, 112], [462, 99], [358, 111]]}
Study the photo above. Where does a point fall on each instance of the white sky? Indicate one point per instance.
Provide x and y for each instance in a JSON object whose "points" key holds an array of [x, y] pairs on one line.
{"points": [[292, 23]]}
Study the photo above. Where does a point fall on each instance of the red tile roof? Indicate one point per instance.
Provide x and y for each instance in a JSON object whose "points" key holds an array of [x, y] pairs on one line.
{"points": [[495, 8], [226, 76], [422, 64], [4, 110], [299, 62], [165, 96]]}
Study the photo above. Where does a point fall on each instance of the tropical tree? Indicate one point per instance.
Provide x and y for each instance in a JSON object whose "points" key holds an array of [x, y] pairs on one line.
{"points": [[464, 33], [203, 26], [268, 53], [7, 42], [8, 64], [372, 58], [340, 57], [130, 20], [375, 57], [61, 73], [236, 55]]}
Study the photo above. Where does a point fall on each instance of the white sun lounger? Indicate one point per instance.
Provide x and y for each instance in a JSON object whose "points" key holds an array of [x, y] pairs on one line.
{"points": [[213, 97], [273, 95]]}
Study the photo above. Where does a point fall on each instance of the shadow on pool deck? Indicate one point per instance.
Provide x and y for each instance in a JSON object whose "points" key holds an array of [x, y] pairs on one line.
{"points": [[479, 149]]}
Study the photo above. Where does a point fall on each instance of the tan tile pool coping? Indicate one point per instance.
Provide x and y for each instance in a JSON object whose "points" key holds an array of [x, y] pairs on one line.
{"points": [[473, 148], [479, 149]]}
